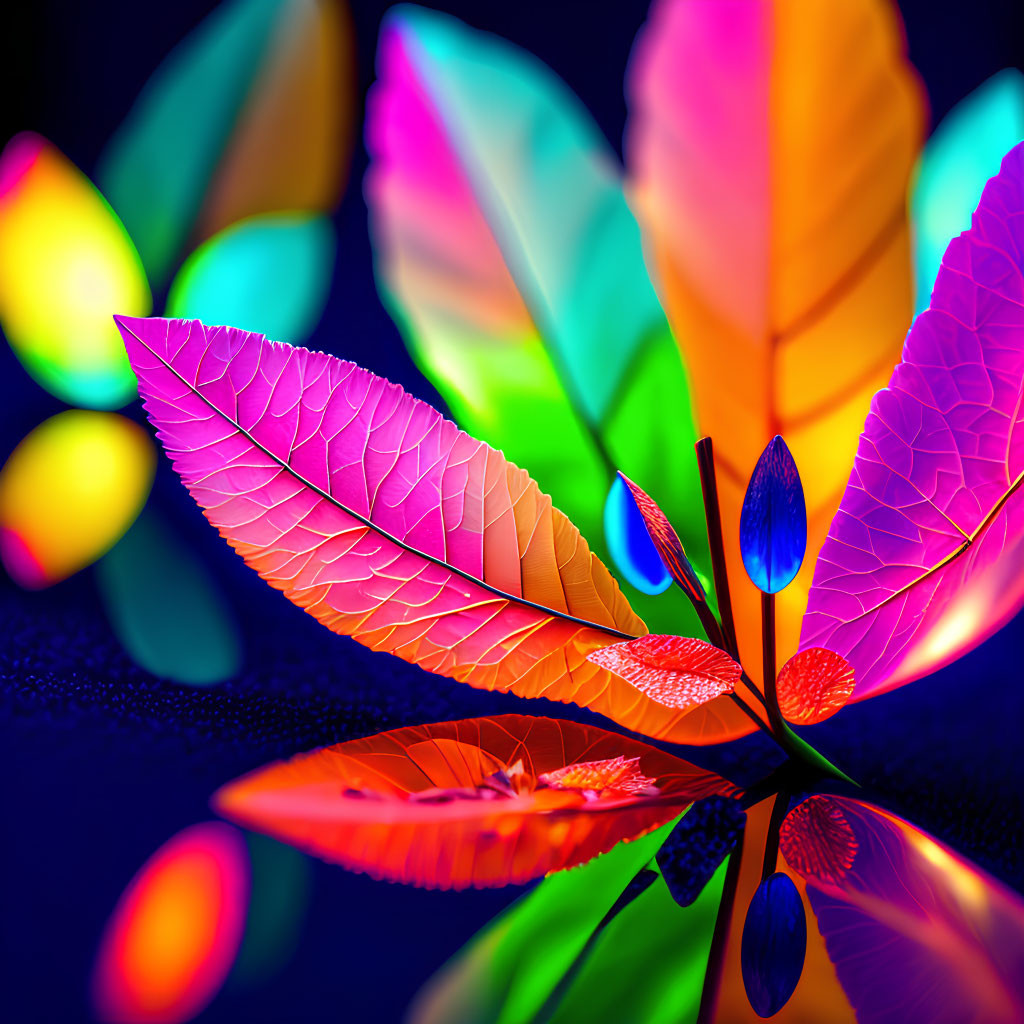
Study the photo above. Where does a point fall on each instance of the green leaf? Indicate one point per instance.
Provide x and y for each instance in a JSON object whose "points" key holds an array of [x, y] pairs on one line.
{"points": [[648, 964]]}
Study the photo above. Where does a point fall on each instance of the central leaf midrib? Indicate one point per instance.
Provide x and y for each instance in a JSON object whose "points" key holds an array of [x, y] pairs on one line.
{"points": [[952, 556], [469, 577]]}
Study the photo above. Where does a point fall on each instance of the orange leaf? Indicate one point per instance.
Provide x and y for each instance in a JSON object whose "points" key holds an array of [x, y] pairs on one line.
{"points": [[770, 146], [675, 671], [813, 685], [482, 802]]}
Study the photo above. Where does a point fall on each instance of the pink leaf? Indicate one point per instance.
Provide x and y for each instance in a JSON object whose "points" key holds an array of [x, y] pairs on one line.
{"points": [[922, 560], [384, 520]]}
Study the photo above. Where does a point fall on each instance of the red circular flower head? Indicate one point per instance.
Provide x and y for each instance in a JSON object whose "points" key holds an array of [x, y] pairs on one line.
{"points": [[813, 685]]}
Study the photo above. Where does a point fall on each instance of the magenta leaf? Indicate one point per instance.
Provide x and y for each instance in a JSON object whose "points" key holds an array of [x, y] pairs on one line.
{"points": [[922, 560], [387, 523]]}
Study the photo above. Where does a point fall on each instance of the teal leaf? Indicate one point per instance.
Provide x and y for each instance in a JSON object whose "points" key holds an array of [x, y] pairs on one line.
{"points": [[165, 607], [156, 168], [965, 150], [268, 274]]}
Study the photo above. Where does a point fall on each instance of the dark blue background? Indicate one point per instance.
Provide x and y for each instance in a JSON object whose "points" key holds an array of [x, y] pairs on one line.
{"points": [[101, 763]]}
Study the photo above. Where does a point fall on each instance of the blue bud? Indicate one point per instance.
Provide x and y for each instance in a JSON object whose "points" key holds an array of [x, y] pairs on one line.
{"points": [[773, 523], [774, 944]]}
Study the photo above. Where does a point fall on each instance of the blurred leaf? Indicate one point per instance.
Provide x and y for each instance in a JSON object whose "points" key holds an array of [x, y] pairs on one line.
{"points": [[247, 115], [175, 931], [166, 608], [965, 150], [508, 255], [66, 264], [268, 274], [69, 491], [769, 147], [281, 886]]}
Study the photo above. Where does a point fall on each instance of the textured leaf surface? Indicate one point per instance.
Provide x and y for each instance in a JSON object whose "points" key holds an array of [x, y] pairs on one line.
{"points": [[510, 259], [915, 931], [250, 114], [813, 685], [507, 971], [65, 263], [483, 802], [698, 845], [770, 146], [923, 559], [385, 521], [677, 671], [962, 154]]}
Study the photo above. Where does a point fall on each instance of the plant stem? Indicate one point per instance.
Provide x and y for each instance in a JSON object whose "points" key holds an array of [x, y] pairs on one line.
{"points": [[780, 730], [768, 661], [771, 846], [720, 937], [776, 726], [749, 712], [709, 622], [716, 545], [754, 691]]}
